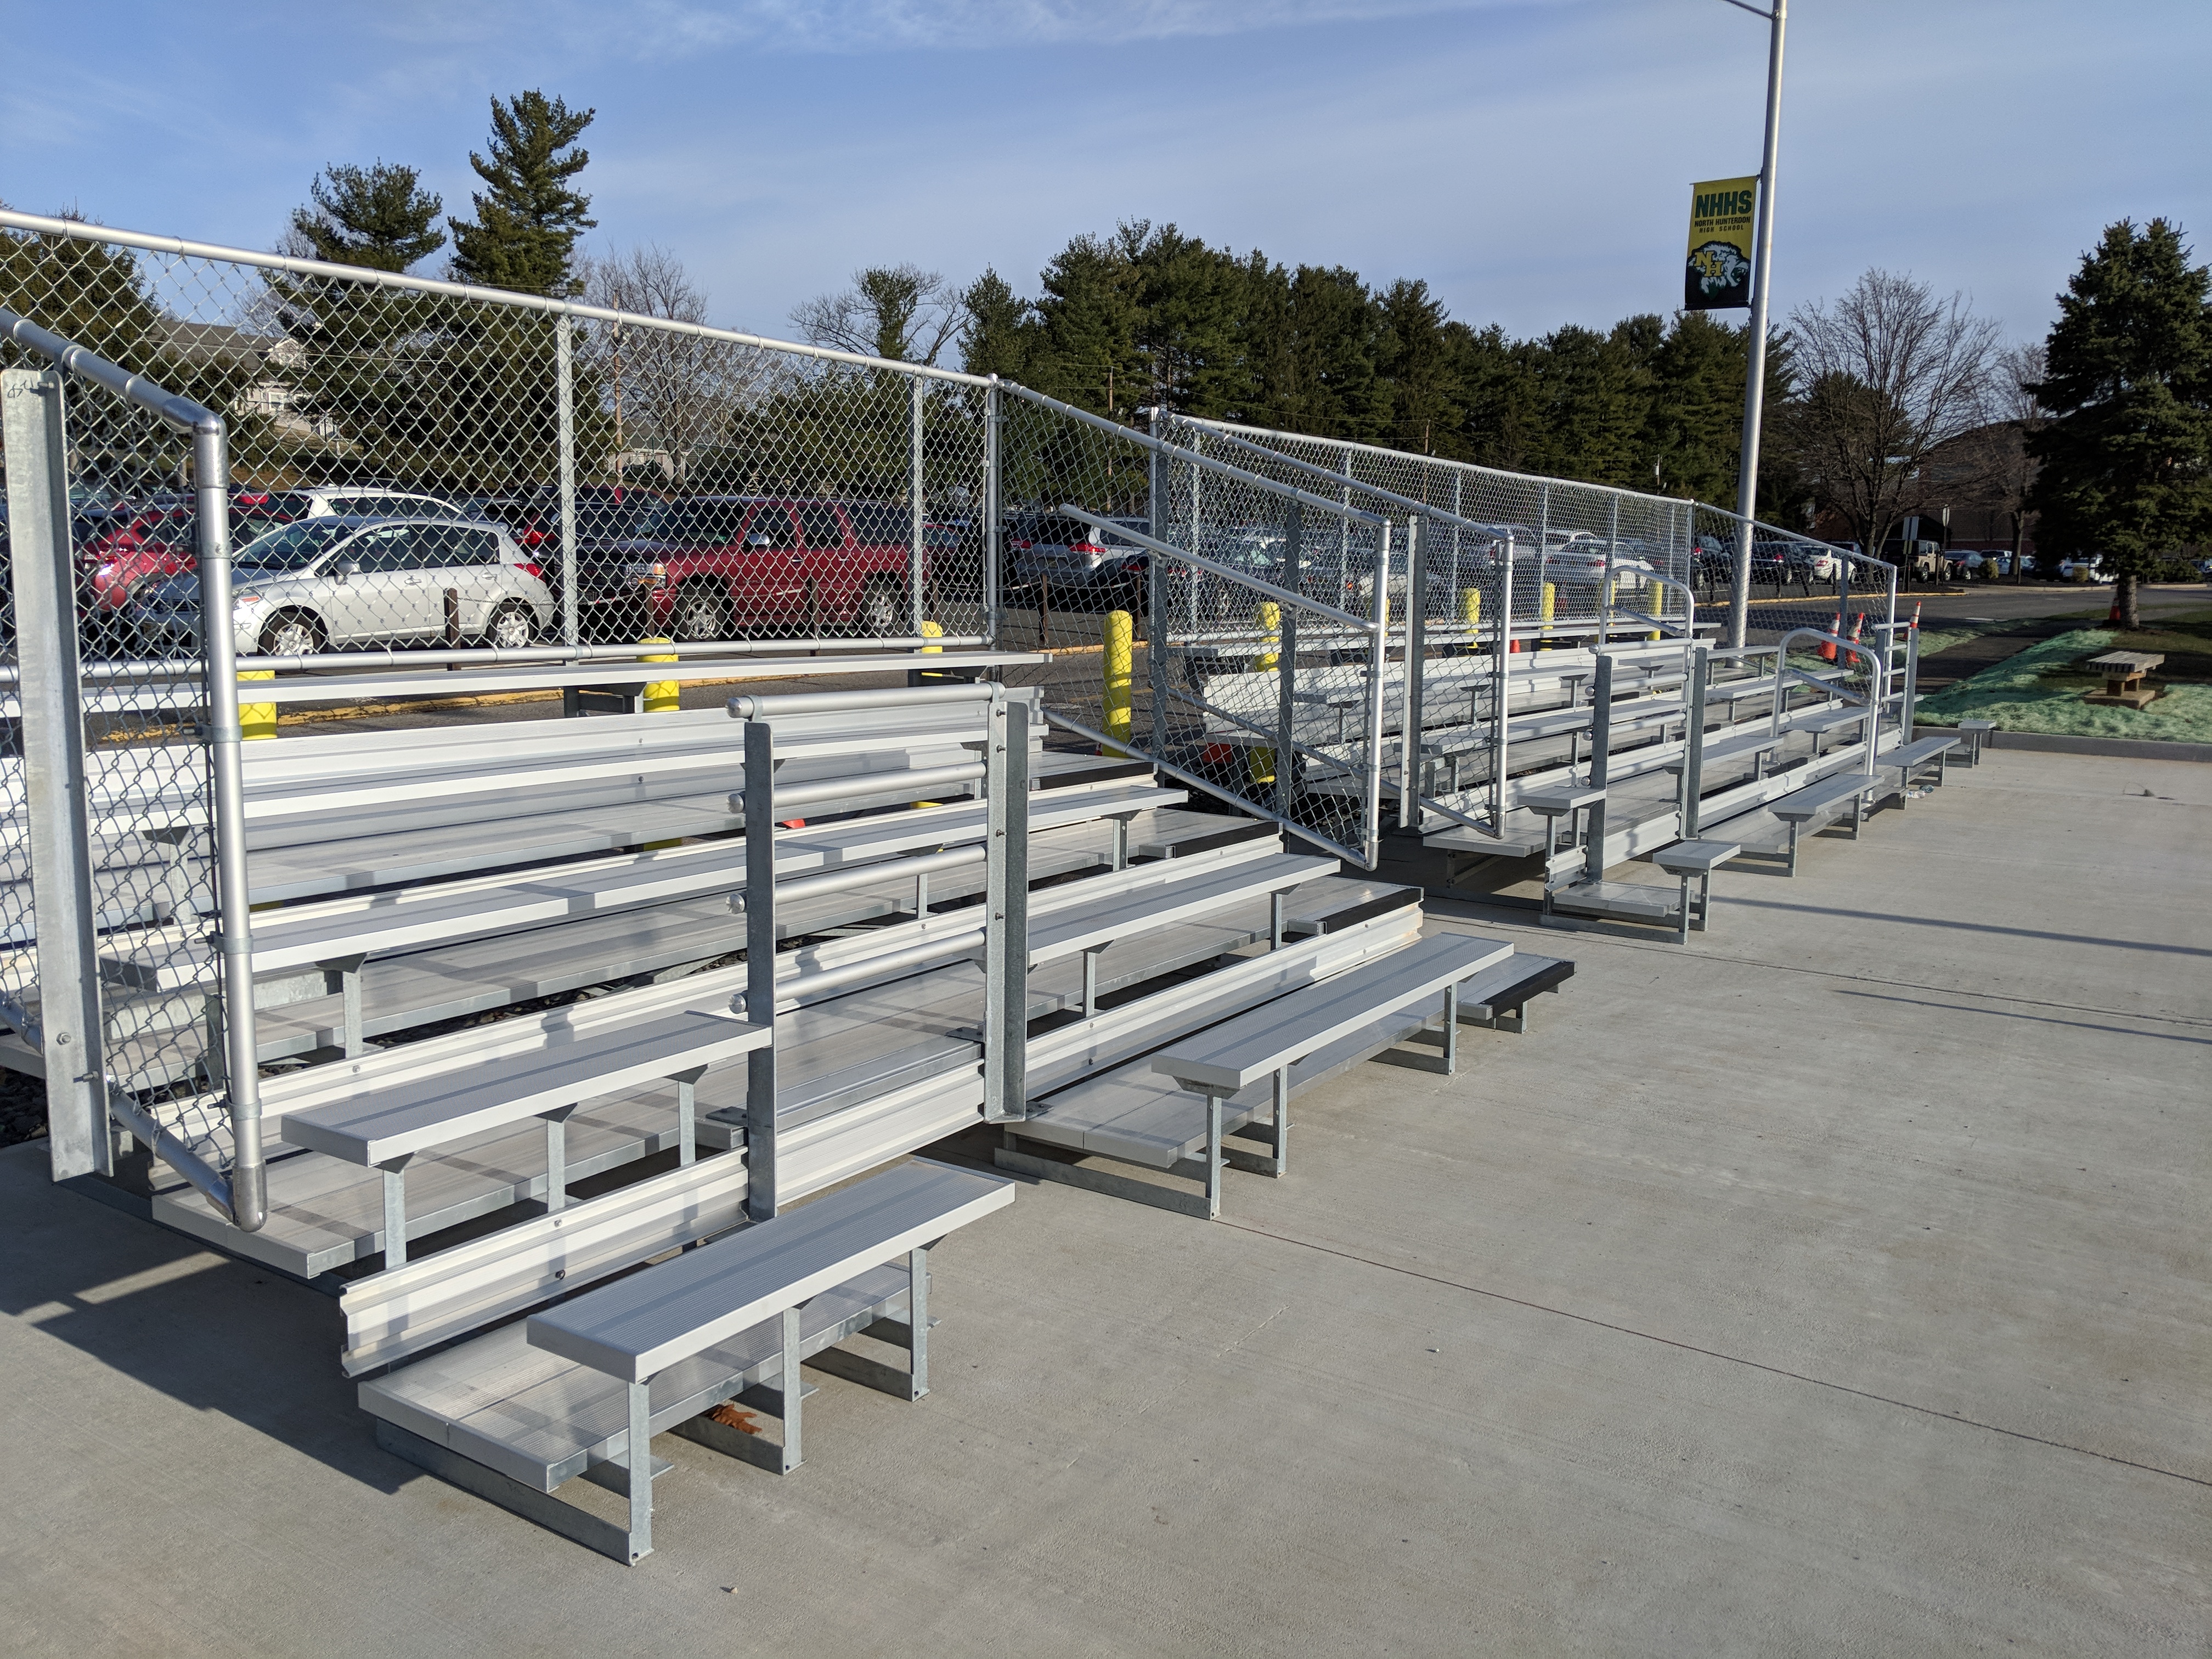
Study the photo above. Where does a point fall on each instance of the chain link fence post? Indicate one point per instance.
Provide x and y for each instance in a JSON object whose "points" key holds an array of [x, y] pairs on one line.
{"points": [[564, 391], [68, 1033]]}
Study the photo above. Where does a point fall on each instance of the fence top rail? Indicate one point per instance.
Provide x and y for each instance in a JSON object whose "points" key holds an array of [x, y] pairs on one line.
{"points": [[177, 410], [40, 224], [1761, 529], [1161, 447], [1437, 514]]}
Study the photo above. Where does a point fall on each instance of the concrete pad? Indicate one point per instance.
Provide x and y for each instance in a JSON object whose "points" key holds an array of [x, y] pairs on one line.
{"points": [[1759, 1300]]}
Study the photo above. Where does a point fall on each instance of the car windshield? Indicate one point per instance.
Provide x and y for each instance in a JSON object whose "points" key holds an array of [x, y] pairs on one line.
{"points": [[295, 546]]}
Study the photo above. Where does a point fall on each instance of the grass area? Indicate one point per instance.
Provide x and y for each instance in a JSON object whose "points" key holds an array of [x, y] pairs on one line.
{"points": [[1933, 640], [2039, 689]]}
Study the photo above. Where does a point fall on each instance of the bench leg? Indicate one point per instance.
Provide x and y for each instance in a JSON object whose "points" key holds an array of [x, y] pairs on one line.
{"points": [[395, 1212], [1451, 1030], [639, 1456], [1282, 1122], [554, 1514], [917, 1320], [1682, 934], [1213, 1157], [1704, 901], [1009, 1155], [1793, 827], [793, 1391], [557, 1160]]}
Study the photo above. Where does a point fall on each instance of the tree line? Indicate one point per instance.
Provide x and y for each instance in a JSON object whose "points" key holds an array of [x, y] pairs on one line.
{"points": [[1889, 402]]}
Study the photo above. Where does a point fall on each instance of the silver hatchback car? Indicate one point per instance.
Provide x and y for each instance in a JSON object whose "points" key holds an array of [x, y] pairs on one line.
{"points": [[319, 583]]}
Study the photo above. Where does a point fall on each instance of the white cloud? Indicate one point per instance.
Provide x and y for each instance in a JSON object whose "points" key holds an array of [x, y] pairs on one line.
{"points": [[647, 29]]}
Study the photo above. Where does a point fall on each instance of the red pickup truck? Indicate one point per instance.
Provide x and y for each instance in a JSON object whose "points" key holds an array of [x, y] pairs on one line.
{"points": [[711, 567]]}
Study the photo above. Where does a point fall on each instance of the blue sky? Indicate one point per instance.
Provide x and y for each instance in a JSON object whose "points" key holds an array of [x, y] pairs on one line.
{"points": [[1531, 159]]}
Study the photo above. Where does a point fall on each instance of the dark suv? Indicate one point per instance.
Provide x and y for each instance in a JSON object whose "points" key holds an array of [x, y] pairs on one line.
{"points": [[713, 567]]}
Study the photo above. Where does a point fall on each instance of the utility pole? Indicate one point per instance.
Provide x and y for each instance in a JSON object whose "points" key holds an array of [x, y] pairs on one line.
{"points": [[1762, 262]]}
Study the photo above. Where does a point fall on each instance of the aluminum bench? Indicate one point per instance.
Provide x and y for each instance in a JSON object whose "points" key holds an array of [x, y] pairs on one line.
{"points": [[1823, 803], [387, 1128], [1497, 996], [580, 1389], [1907, 758], [1697, 860], [1976, 735]]}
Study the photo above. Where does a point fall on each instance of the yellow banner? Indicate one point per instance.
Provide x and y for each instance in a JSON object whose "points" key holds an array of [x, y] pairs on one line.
{"points": [[1718, 275]]}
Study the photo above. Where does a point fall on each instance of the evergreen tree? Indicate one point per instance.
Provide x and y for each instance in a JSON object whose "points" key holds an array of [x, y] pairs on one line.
{"points": [[998, 329], [1416, 367], [528, 216], [1088, 353], [378, 216], [2127, 456]]}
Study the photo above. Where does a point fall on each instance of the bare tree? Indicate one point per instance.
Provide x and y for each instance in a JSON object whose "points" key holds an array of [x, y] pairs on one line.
{"points": [[2015, 415], [672, 393], [1890, 371], [900, 312]]}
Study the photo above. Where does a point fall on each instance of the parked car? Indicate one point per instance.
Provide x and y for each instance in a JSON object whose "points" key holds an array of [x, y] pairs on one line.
{"points": [[162, 538], [159, 542], [326, 581], [1087, 567], [706, 567]]}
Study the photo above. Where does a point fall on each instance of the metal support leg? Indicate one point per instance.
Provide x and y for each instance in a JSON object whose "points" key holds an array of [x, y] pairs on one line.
{"points": [[1275, 901], [1282, 1122], [557, 1160], [1091, 981], [1452, 1030], [917, 1319], [347, 969], [687, 1112], [639, 1456], [1121, 842], [792, 1387], [395, 1213], [1213, 1157], [1682, 937], [921, 895]]}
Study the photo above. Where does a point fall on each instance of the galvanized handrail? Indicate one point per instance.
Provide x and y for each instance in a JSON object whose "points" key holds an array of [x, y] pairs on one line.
{"points": [[245, 1195], [1783, 675]]}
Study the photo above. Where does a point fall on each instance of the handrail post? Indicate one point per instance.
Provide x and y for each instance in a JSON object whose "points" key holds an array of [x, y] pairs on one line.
{"points": [[914, 517], [234, 894], [1416, 645], [1378, 658], [1287, 662], [760, 968], [1006, 910], [1501, 692]]}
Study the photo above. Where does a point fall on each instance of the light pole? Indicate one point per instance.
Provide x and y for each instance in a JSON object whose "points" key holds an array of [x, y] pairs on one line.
{"points": [[1762, 261]]}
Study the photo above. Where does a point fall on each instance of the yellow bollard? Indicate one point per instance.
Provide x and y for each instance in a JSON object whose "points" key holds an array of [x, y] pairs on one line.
{"points": [[1118, 660], [932, 631], [256, 719], [662, 697], [1270, 637], [1551, 608], [1470, 613]]}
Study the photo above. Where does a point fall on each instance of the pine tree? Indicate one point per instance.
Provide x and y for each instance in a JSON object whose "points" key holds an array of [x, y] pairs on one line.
{"points": [[998, 329], [2127, 458], [528, 217], [378, 216]]}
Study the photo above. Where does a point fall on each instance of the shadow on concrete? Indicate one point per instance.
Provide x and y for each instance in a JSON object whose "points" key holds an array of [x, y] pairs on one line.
{"points": [[2039, 1020], [1965, 926], [215, 1334]]}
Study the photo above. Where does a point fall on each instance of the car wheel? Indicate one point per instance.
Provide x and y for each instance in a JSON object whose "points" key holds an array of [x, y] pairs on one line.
{"points": [[512, 627], [291, 635], [700, 614], [881, 611]]}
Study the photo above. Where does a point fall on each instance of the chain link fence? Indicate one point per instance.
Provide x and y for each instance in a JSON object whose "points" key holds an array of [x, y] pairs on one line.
{"points": [[1200, 613], [423, 466], [108, 903]]}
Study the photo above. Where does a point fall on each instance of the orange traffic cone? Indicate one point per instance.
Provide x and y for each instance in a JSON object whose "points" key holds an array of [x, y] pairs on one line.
{"points": [[1828, 652]]}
